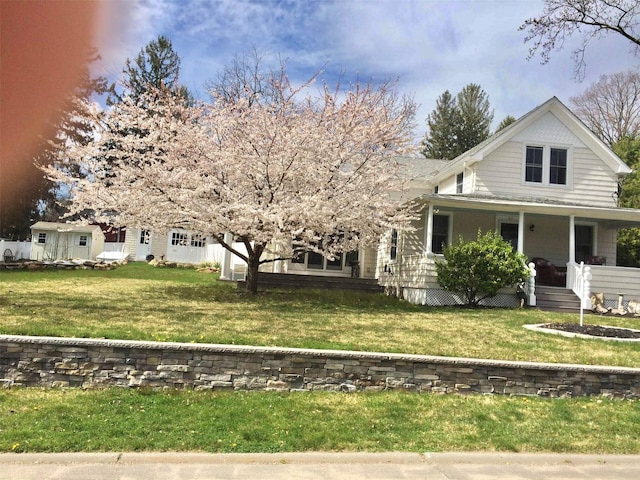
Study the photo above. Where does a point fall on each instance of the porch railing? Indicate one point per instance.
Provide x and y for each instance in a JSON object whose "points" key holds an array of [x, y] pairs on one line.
{"points": [[579, 281]]}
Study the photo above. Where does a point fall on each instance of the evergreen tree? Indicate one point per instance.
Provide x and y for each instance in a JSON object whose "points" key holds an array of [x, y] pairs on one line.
{"points": [[440, 141], [458, 124], [156, 66], [508, 120], [474, 118]]}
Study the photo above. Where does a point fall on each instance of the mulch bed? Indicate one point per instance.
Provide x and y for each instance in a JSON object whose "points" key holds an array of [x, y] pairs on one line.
{"points": [[594, 330]]}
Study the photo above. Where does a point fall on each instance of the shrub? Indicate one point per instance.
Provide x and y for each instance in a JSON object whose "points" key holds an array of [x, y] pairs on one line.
{"points": [[478, 269]]}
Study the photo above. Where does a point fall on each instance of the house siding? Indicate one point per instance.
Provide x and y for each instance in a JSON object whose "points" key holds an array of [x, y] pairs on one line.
{"points": [[591, 180], [613, 281], [448, 185]]}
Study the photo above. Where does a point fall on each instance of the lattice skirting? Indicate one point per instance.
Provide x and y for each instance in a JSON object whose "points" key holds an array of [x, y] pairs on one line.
{"points": [[436, 297]]}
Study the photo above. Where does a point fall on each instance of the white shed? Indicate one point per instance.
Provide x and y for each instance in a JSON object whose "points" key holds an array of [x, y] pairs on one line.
{"points": [[65, 241]]}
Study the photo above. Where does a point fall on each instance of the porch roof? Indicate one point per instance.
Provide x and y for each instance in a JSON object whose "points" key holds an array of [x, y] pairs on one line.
{"points": [[613, 217]]}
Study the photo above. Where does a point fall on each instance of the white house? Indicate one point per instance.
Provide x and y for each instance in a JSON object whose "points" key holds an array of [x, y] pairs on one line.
{"points": [[546, 183], [65, 241], [179, 245]]}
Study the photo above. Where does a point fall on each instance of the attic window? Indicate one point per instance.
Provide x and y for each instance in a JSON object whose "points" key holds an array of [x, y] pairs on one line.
{"points": [[533, 164], [558, 166], [546, 165]]}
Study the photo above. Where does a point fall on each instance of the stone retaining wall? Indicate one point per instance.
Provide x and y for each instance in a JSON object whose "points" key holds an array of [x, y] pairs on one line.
{"points": [[46, 361]]}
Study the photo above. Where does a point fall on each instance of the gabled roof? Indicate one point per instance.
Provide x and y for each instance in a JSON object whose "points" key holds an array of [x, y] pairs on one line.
{"points": [[557, 108], [419, 168], [65, 227]]}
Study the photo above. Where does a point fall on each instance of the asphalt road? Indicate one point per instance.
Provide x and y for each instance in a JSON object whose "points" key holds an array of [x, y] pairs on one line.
{"points": [[338, 466]]}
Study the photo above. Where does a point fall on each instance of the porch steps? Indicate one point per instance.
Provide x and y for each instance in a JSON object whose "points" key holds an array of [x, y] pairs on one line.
{"points": [[287, 280], [557, 299]]}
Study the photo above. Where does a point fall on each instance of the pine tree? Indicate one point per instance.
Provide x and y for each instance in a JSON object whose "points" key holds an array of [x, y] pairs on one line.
{"points": [[508, 120], [458, 124], [440, 141], [474, 118], [156, 66]]}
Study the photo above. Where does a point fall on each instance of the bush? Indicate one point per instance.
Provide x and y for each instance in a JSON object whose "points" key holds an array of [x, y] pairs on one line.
{"points": [[478, 269]]}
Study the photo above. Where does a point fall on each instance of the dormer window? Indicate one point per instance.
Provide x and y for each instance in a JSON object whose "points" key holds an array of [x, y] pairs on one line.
{"points": [[546, 165]]}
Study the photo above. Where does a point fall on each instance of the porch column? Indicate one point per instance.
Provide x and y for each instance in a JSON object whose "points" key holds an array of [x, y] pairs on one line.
{"points": [[572, 239], [428, 248], [225, 273], [520, 232]]}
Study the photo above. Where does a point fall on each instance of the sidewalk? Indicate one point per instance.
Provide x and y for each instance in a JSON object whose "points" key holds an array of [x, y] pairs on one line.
{"points": [[336, 466]]}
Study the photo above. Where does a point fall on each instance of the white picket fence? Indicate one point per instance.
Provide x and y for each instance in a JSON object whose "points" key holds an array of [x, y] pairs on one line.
{"points": [[19, 250]]}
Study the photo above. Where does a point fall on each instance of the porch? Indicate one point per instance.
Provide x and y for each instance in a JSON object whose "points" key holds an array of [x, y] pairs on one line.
{"points": [[565, 235]]}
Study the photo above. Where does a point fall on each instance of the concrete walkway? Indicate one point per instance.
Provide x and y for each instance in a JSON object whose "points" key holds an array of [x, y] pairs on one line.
{"points": [[336, 466]]}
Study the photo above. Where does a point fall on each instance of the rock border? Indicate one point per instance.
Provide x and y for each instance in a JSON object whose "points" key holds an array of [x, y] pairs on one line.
{"points": [[539, 327]]}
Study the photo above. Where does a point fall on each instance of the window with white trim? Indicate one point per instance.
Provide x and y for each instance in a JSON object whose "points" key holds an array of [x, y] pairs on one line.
{"points": [[197, 240], [546, 165], [42, 237], [558, 166], [179, 238], [533, 164], [440, 232], [585, 241], [83, 241], [393, 252], [460, 182], [145, 237]]}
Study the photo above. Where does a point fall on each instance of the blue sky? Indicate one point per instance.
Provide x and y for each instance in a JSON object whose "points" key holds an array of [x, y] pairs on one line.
{"points": [[428, 45]]}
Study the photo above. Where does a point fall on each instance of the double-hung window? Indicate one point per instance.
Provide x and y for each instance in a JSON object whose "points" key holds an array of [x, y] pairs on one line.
{"points": [[83, 241], [533, 164], [558, 166], [440, 233], [546, 165]]}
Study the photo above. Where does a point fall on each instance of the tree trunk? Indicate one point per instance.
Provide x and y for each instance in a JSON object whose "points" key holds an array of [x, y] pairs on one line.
{"points": [[252, 275]]}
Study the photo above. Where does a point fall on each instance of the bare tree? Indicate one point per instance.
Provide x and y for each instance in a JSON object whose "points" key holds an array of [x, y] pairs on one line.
{"points": [[611, 106], [589, 18]]}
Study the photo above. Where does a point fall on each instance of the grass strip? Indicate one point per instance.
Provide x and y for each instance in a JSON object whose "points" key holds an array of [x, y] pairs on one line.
{"points": [[55, 420], [140, 302]]}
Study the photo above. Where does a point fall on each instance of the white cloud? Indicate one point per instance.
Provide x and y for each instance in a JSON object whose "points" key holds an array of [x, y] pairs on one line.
{"points": [[431, 45]]}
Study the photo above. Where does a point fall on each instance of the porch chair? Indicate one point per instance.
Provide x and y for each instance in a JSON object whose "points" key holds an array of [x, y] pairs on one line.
{"points": [[548, 274]]}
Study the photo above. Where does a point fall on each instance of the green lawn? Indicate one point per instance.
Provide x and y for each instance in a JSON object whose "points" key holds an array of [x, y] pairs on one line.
{"points": [[36, 420], [141, 302]]}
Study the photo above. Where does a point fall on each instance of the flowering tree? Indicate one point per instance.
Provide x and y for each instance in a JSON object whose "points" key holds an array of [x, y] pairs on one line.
{"points": [[300, 171]]}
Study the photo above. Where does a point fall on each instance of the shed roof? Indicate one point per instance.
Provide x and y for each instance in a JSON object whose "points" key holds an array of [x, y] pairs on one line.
{"points": [[65, 227]]}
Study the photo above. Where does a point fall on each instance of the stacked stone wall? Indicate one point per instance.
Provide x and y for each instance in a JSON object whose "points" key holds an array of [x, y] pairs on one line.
{"points": [[88, 363]]}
